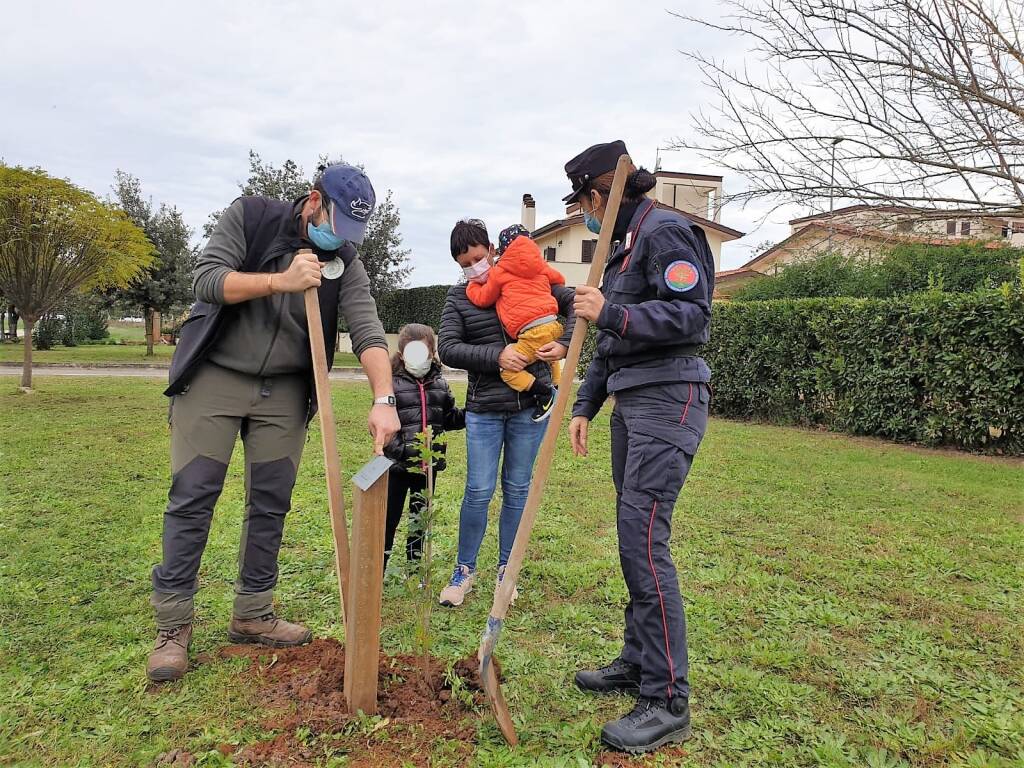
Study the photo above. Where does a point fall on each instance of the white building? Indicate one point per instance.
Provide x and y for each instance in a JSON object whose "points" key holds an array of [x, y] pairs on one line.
{"points": [[569, 245]]}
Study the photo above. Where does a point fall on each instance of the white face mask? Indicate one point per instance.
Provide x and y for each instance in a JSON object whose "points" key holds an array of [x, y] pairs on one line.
{"points": [[478, 272], [416, 358]]}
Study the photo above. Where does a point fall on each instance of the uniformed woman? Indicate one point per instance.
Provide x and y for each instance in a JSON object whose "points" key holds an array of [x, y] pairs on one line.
{"points": [[653, 313]]}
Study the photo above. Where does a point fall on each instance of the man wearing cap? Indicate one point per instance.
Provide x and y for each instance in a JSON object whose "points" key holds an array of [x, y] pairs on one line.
{"points": [[653, 313], [243, 366]]}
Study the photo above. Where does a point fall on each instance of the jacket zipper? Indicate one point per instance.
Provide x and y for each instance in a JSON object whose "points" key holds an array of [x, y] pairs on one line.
{"points": [[519, 404], [423, 419], [277, 330]]}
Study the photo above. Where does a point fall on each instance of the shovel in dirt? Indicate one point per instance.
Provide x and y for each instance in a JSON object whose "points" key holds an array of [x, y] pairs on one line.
{"points": [[503, 596]]}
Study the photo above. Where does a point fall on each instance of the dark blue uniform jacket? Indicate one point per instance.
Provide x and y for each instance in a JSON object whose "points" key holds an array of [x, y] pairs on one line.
{"points": [[658, 285]]}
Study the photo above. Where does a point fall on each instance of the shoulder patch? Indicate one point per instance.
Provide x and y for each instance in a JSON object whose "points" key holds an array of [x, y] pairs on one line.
{"points": [[681, 275]]}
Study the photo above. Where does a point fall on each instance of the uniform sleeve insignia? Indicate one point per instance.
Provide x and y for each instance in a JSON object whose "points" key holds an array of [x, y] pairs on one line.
{"points": [[681, 276]]}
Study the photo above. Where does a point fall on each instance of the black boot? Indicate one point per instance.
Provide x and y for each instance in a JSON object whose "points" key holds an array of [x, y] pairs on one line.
{"points": [[652, 724], [619, 676]]}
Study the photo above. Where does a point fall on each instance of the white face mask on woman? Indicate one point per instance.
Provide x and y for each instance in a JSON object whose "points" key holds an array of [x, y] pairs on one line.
{"points": [[477, 273], [416, 358]]}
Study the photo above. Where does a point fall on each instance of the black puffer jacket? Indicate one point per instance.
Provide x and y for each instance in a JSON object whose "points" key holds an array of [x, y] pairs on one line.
{"points": [[472, 338], [441, 415]]}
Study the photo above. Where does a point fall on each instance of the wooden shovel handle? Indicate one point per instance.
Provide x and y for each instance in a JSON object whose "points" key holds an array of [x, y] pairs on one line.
{"points": [[503, 596], [328, 434]]}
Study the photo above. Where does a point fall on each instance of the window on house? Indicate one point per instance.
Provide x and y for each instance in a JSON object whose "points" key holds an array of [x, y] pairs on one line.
{"points": [[905, 226], [950, 227], [588, 250], [549, 254], [965, 227]]}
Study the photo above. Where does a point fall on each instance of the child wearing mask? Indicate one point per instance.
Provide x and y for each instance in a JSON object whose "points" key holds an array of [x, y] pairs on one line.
{"points": [[423, 399], [520, 285]]}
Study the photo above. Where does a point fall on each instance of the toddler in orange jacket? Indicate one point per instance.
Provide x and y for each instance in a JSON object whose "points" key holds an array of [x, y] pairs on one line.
{"points": [[519, 284]]}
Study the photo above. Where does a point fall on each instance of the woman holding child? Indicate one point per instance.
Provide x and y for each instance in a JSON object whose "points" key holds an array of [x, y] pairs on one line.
{"points": [[499, 419]]}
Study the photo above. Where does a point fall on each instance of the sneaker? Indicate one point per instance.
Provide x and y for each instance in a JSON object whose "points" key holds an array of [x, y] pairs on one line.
{"points": [[544, 406], [501, 575], [169, 658], [652, 723], [461, 584], [268, 630], [618, 677]]}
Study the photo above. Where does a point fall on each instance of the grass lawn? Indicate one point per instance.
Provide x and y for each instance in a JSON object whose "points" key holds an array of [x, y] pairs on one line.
{"points": [[128, 332], [99, 354], [850, 602]]}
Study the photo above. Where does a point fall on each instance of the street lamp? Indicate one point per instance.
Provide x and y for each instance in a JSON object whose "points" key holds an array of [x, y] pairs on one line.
{"points": [[832, 192], [832, 175]]}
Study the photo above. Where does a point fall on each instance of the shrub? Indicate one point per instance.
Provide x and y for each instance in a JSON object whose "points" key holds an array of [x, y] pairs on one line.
{"points": [[933, 368], [48, 332], [900, 271], [412, 305]]}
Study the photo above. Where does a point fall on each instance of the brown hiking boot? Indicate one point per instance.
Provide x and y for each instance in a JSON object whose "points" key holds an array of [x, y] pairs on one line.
{"points": [[268, 630], [169, 657]]}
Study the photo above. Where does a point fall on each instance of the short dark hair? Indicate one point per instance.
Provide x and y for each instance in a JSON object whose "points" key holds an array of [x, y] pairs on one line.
{"points": [[466, 234]]}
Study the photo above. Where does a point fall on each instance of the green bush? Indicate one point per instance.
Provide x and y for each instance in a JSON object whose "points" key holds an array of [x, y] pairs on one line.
{"points": [[933, 368], [48, 332], [412, 305], [80, 322], [902, 270]]}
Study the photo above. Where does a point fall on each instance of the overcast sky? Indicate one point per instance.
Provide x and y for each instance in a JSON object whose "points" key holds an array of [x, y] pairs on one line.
{"points": [[458, 107]]}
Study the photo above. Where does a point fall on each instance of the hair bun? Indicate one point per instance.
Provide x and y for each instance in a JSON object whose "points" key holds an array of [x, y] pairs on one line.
{"points": [[639, 182]]}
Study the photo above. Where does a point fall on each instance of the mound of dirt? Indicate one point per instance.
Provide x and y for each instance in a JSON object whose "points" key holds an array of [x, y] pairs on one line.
{"points": [[302, 690]]}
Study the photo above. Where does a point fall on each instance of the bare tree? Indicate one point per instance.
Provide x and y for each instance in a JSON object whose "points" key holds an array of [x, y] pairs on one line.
{"points": [[899, 102]]}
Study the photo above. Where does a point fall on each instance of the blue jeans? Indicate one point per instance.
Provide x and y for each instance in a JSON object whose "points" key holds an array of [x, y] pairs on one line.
{"points": [[486, 433]]}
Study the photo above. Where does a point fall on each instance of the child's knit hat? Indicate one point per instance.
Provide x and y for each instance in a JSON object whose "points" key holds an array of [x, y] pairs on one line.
{"points": [[508, 234]]}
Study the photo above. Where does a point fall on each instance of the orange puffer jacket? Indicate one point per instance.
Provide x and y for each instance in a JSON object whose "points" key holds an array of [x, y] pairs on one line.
{"points": [[520, 282]]}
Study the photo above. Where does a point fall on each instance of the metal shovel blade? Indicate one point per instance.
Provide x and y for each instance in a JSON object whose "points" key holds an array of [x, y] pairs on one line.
{"points": [[489, 681]]}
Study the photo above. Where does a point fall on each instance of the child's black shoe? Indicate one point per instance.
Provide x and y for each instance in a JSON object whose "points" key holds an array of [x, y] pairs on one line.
{"points": [[545, 404]]}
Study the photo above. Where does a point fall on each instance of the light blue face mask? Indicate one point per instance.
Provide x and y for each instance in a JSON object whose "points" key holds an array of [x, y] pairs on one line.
{"points": [[593, 223], [323, 237]]}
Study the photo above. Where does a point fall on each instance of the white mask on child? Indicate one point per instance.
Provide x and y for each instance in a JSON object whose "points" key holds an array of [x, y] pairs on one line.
{"points": [[477, 273], [416, 357]]}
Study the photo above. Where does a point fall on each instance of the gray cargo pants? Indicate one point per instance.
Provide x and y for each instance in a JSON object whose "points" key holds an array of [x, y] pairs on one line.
{"points": [[270, 414]]}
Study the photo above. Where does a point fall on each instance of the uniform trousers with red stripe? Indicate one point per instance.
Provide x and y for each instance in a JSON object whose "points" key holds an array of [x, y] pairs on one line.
{"points": [[656, 430]]}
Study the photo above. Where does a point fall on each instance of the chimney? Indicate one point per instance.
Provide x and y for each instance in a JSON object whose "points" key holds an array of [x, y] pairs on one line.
{"points": [[529, 214]]}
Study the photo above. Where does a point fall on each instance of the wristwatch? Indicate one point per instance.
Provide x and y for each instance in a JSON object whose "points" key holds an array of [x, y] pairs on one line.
{"points": [[386, 400]]}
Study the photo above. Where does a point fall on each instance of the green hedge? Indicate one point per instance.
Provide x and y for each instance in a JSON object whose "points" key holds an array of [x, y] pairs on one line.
{"points": [[900, 271], [936, 369], [412, 305]]}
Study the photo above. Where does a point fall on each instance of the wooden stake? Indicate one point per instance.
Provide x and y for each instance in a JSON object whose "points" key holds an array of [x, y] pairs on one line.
{"points": [[329, 438], [362, 631]]}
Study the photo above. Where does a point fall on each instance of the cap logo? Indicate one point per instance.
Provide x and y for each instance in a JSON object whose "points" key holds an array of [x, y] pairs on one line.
{"points": [[361, 208]]}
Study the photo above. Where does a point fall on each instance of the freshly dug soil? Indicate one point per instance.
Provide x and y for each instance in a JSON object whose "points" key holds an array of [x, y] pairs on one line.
{"points": [[302, 691]]}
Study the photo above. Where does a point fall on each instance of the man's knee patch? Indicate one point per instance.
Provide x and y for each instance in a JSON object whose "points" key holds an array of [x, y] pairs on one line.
{"points": [[196, 486], [271, 484]]}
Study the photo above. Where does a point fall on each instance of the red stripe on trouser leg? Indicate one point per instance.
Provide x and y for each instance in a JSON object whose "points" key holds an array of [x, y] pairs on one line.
{"points": [[661, 601], [686, 408]]}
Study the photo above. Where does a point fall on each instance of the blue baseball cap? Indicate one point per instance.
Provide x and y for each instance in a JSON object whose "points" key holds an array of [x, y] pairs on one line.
{"points": [[351, 199]]}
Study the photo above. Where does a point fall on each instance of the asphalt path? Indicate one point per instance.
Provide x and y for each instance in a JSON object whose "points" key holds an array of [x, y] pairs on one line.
{"points": [[155, 372]]}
